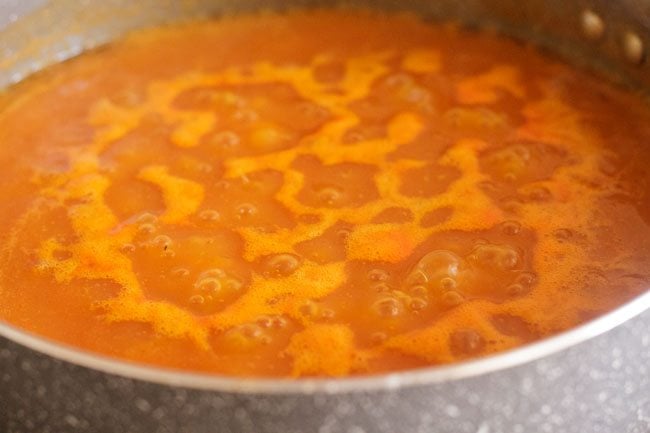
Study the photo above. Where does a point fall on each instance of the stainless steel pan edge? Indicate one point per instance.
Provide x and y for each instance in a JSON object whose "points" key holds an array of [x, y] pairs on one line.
{"points": [[556, 385]]}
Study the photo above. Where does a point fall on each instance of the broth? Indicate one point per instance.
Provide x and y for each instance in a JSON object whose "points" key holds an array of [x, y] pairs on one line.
{"points": [[318, 193]]}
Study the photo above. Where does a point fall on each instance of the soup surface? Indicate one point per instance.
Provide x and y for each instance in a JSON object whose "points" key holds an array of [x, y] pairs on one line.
{"points": [[321, 193]]}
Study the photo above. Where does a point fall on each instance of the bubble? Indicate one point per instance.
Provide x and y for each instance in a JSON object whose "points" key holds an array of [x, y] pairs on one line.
{"points": [[510, 204], [246, 210], [434, 267], [216, 280], [213, 273], [381, 287], [493, 256], [563, 234], [418, 304], [225, 139], [180, 272], [208, 284], [280, 265], [538, 193], [416, 278], [197, 300], [466, 342], [309, 309], [419, 291], [417, 95], [448, 283], [526, 279], [127, 248], [273, 300], [209, 215], [327, 313], [399, 80], [273, 322], [343, 234], [146, 218], [246, 115], [510, 228], [248, 330], [452, 298], [387, 307], [509, 163], [232, 284], [488, 186], [514, 326], [198, 166], [378, 275], [146, 229], [516, 289], [378, 337], [329, 195], [162, 241], [247, 335]]}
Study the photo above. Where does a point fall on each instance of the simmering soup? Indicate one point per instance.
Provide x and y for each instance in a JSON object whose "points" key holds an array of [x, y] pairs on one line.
{"points": [[318, 193]]}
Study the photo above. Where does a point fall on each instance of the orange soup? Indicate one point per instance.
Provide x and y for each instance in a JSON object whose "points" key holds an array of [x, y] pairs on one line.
{"points": [[318, 193]]}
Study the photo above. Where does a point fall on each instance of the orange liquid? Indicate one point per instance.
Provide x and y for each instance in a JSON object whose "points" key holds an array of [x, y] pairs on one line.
{"points": [[263, 196]]}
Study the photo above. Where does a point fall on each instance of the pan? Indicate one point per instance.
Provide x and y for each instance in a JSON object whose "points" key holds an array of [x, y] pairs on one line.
{"points": [[593, 378]]}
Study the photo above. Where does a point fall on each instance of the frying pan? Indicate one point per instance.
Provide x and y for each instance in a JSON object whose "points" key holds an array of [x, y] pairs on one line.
{"points": [[594, 378]]}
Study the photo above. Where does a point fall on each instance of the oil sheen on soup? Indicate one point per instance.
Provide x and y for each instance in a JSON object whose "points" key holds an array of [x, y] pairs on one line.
{"points": [[318, 193]]}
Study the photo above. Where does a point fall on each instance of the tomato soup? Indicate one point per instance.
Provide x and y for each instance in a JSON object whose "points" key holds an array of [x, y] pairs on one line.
{"points": [[318, 193]]}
